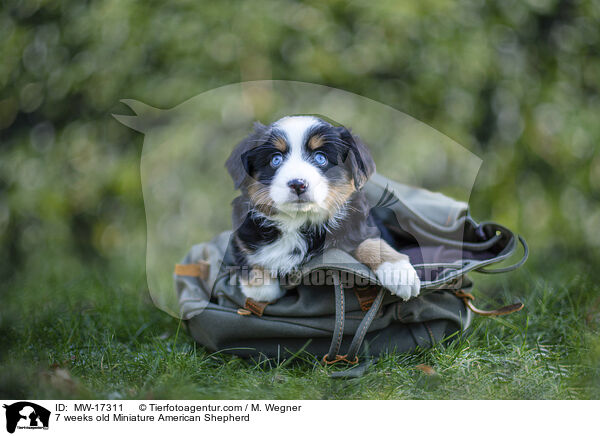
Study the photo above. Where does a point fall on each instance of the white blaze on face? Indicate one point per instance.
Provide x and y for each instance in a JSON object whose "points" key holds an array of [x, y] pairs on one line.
{"points": [[295, 166]]}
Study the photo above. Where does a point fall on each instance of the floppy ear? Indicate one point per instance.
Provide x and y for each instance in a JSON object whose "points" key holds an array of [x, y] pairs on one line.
{"points": [[237, 163], [359, 158]]}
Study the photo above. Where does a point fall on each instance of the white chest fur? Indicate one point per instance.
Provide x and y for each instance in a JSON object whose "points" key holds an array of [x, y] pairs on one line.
{"points": [[282, 255]]}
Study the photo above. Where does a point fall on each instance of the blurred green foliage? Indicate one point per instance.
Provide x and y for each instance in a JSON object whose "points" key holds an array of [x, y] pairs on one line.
{"points": [[516, 82]]}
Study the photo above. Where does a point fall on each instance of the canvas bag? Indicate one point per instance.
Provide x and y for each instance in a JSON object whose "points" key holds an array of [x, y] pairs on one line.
{"points": [[335, 303]]}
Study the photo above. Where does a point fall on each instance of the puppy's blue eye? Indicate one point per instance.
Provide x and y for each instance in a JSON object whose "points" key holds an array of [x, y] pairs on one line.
{"points": [[276, 160], [320, 159]]}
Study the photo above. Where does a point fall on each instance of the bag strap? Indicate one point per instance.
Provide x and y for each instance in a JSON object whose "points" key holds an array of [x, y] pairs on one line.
{"points": [[351, 357], [199, 269], [510, 267], [468, 298], [476, 246], [333, 355], [364, 325], [365, 295], [256, 307]]}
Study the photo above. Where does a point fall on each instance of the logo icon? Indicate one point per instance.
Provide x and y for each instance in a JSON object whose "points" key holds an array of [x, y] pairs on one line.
{"points": [[26, 415]]}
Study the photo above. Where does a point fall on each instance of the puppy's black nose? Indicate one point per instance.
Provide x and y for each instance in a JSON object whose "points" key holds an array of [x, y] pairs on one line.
{"points": [[298, 185]]}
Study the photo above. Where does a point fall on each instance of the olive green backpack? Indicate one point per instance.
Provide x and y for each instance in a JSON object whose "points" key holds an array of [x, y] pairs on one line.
{"points": [[335, 303]]}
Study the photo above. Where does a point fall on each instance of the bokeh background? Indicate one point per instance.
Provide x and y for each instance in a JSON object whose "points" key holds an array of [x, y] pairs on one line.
{"points": [[516, 82]]}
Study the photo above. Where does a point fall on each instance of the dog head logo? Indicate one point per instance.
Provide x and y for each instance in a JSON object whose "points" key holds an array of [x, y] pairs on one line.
{"points": [[26, 415], [188, 192]]}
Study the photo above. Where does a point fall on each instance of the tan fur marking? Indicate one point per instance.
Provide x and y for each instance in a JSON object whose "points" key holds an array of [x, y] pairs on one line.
{"points": [[260, 198], [375, 251], [315, 142], [242, 247], [280, 144], [338, 194]]}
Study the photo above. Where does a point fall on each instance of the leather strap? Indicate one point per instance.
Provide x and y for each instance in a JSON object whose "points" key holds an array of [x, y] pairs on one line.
{"points": [[355, 371], [332, 355], [510, 267], [468, 298], [364, 325], [256, 307], [365, 295], [351, 357], [200, 269], [339, 358]]}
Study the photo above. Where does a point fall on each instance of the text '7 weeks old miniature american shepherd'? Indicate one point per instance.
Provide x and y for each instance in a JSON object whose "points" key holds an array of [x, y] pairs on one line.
{"points": [[300, 179]]}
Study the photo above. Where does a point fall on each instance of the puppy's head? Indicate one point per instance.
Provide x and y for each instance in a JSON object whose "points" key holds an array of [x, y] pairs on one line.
{"points": [[300, 166]]}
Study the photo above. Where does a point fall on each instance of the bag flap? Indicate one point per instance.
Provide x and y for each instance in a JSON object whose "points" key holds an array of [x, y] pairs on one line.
{"points": [[412, 203]]}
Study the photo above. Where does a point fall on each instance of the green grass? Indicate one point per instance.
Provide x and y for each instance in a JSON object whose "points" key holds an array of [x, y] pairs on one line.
{"points": [[100, 337]]}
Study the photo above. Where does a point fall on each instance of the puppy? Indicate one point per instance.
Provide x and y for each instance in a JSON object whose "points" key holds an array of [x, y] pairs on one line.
{"points": [[301, 181]]}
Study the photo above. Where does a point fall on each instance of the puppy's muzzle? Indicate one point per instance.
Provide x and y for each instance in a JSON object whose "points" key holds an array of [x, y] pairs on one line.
{"points": [[298, 186]]}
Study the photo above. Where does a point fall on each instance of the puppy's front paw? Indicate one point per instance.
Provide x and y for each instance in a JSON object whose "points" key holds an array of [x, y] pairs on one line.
{"points": [[260, 286], [268, 293], [400, 278]]}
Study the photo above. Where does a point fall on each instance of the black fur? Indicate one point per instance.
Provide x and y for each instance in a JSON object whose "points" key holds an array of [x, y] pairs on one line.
{"points": [[348, 158], [257, 231], [360, 161], [237, 164]]}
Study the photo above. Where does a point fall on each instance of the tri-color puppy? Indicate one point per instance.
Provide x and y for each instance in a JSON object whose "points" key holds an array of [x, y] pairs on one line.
{"points": [[300, 179]]}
